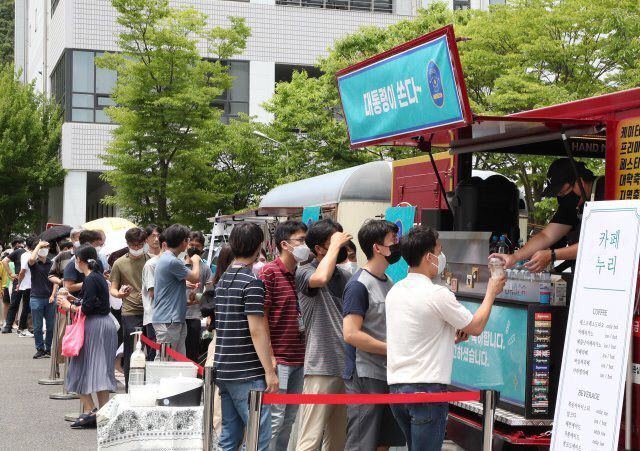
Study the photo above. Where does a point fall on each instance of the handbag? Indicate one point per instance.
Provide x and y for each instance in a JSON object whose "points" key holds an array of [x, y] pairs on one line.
{"points": [[208, 304], [74, 336]]}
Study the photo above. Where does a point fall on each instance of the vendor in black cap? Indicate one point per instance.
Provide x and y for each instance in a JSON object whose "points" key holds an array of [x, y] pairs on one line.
{"points": [[563, 184]]}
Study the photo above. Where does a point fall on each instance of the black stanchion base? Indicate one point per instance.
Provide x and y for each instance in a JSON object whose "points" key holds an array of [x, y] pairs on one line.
{"points": [[63, 396], [50, 382]]}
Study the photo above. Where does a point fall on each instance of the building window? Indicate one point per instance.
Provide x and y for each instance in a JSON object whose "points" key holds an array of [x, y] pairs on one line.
{"points": [[379, 6], [497, 2], [83, 90], [54, 4], [236, 99], [461, 4]]}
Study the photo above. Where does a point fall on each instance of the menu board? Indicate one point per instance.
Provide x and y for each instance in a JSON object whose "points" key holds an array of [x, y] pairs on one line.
{"points": [[628, 159], [595, 358]]}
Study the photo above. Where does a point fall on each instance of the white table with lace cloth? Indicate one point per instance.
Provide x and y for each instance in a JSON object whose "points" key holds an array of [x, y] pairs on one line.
{"points": [[122, 427]]}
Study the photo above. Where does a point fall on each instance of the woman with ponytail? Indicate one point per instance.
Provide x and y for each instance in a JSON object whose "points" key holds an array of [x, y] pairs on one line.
{"points": [[92, 371]]}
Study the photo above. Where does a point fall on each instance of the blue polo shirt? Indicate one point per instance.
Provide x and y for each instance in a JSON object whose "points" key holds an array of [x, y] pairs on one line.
{"points": [[170, 292]]}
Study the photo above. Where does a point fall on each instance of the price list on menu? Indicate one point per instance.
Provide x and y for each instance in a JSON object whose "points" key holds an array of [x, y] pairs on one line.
{"points": [[595, 358]]}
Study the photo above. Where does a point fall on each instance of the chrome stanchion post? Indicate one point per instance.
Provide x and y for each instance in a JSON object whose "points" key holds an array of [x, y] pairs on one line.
{"points": [[489, 400], [253, 425], [163, 352], [54, 370], [207, 417], [65, 394], [74, 416]]}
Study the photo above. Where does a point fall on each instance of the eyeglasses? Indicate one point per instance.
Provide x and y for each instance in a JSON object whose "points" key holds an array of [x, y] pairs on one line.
{"points": [[297, 240]]}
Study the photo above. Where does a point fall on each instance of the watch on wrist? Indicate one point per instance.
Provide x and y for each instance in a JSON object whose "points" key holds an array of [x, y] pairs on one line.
{"points": [[553, 255]]}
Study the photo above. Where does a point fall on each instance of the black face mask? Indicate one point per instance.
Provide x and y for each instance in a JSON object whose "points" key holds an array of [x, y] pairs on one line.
{"points": [[395, 254], [193, 251], [570, 200], [342, 254]]}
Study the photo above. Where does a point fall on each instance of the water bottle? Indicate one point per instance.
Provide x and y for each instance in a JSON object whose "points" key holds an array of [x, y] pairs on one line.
{"points": [[137, 364], [545, 287]]}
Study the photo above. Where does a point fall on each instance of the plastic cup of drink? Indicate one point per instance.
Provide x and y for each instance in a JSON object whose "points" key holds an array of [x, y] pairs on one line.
{"points": [[496, 267], [64, 292]]}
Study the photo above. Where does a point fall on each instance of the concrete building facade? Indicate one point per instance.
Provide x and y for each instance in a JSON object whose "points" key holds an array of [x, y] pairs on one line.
{"points": [[57, 41]]}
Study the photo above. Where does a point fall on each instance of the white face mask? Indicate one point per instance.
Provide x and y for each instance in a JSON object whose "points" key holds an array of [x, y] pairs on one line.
{"points": [[98, 249], [257, 266], [136, 252], [442, 262], [350, 267], [43, 252], [301, 253], [76, 244]]}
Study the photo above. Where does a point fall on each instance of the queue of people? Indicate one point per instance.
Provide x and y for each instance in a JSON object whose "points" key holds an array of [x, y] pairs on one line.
{"points": [[307, 322]]}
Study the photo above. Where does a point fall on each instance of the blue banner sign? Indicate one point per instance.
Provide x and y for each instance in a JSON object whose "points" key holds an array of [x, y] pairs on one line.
{"points": [[310, 215], [496, 359], [402, 217], [412, 90]]}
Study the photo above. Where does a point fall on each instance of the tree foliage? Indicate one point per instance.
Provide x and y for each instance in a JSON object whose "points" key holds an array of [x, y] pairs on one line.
{"points": [[522, 55], [164, 111], [30, 128], [7, 14]]}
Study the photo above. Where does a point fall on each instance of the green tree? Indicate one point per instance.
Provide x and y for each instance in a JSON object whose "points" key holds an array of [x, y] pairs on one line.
{"points": [[30, 128], [241, 168], [7, 32], [522, 55], [535, 53], [164, 97]]}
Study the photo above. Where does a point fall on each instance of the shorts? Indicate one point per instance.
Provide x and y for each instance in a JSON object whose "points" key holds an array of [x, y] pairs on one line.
{"points": [[370, 426]]}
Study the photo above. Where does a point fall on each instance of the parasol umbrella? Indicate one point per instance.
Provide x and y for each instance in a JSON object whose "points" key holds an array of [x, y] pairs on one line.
{"points": [[109, 224], [114, 241], [55, 233]]}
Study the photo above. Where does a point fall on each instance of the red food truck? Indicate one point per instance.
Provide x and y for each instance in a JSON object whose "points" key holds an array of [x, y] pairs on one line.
{"points": [[470, 213]]}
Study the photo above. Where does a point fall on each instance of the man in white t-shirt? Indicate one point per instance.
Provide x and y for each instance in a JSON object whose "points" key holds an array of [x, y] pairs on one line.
{"points": [[424, 321], [24, 285]]}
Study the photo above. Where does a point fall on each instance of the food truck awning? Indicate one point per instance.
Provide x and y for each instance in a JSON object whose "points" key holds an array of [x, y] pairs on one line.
{"points": [[531, 135], [522, 135], [260, 214], [367, 182]]}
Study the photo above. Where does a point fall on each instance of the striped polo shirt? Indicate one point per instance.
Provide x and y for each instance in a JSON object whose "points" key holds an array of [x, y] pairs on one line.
{"points": [[282, 303], [238, 293]]}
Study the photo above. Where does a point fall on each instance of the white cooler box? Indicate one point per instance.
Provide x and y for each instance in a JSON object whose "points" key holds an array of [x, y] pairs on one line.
{"points": [[158, 370]]}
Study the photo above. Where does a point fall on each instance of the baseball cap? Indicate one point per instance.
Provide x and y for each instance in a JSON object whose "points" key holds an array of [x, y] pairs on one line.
{"points": [[559, 173]]}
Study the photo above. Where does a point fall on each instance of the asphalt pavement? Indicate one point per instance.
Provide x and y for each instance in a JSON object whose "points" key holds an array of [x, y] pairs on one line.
{"points": [[30, 419]]}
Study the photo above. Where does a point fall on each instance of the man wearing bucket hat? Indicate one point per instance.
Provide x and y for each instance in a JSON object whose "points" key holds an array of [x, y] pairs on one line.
{"points": [[563, 182]]}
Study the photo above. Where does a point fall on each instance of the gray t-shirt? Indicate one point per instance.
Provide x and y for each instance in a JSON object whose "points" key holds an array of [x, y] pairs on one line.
{"points": [[364, 295], [170, 292], [148, 282], [206, 276], [321, 310]]}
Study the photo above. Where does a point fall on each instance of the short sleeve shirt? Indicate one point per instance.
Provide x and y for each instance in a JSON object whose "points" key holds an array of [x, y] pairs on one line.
{"points": [[14, 257], [281, 301], [60, 261], [422, 319], [128, 271], [239, 293], [148, 282], [322, 316], [365, 296], [24, 264], [40, 285], [206, 276], [170, 292]]}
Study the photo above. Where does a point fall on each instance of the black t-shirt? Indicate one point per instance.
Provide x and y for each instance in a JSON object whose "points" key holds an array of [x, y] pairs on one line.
{"points": [[40, 285], [569, 214], [15, 258], [95, 295]]}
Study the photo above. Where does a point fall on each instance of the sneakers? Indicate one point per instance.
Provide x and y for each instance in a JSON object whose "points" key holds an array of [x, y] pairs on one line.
{"points": [[6, 330], [39, 354], [47, 354], [24, 333]]}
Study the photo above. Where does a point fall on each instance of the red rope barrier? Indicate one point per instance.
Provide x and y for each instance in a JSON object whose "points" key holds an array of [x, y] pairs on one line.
{"points": [[176, 355], [401, 398]]}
